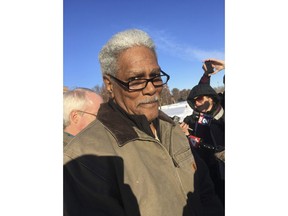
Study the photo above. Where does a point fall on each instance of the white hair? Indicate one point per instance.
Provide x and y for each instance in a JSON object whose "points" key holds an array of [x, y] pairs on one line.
{"points": [[75, 100], [120, 42]]}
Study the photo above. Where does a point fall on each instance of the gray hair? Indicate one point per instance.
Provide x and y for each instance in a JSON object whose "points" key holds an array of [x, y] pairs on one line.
{"points": [[74, 100], [120, 42]]}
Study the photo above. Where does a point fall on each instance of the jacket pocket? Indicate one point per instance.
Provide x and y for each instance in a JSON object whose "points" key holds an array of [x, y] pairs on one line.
{"points": [[184, 158], [186, 168]]}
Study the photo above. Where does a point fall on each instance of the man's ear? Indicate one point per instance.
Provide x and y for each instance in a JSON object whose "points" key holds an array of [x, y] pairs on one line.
{"points": [[109, 85], [74, 117]]}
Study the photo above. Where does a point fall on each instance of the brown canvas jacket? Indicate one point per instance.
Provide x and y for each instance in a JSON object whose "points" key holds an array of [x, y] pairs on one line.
{"points": [[111, 168]]}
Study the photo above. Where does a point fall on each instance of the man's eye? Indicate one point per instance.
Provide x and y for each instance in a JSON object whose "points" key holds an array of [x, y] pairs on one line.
{"points": [[137, 82], [133, 78], [157, 78]]}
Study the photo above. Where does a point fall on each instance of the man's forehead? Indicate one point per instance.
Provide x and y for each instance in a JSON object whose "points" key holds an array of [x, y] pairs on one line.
{"points": [[142, 72]]}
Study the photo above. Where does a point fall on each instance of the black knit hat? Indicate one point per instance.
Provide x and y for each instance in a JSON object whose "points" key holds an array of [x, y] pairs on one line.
{"points": [[202, 90]]}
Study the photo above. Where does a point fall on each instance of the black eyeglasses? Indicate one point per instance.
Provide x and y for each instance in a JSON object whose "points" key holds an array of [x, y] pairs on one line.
{"points": [[86, 112], [137, 84]]}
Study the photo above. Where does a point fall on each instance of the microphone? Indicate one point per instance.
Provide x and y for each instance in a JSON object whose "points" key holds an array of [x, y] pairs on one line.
{"points": [[176, 119]]}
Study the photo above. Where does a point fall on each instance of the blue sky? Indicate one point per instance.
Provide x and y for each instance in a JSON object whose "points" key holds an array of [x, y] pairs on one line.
{"points": [[185, 32]]}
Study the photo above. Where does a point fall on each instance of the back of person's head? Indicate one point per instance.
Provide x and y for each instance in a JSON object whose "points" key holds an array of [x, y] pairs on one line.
{"points": [[78, 99], [201, 90], [117, 44]]}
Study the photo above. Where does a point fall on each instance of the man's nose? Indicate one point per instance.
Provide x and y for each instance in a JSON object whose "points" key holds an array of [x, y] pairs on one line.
{"points": [[150, 88]]}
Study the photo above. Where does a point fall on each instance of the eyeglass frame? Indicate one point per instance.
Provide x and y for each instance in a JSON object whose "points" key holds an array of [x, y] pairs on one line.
{"points": [[95, 115], [126, 84]]}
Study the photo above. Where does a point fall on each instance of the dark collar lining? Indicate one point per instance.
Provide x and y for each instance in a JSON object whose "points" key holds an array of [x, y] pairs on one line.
{"points": [[122, 123]]}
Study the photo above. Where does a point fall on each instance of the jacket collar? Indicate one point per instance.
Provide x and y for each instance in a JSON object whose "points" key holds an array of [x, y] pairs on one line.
{"points": [[121, 125], [219, 113]]}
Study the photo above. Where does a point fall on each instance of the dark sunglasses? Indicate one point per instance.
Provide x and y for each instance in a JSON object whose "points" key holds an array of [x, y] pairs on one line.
{"points": [[199, 98]]}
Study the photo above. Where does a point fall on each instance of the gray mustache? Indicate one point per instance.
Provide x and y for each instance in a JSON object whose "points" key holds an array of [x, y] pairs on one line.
{"points": [[149, 100]]}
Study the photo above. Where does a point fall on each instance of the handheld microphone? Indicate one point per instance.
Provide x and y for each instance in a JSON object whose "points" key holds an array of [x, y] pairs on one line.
{"points": [[176, 119]]}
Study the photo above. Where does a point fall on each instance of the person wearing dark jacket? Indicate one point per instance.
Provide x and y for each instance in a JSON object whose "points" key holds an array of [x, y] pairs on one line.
{"points": [[217, 66], [207, 131], [133, 159]]}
